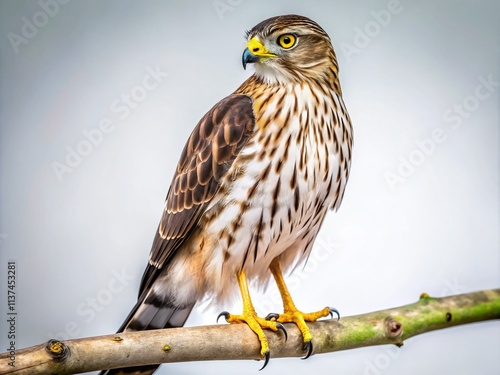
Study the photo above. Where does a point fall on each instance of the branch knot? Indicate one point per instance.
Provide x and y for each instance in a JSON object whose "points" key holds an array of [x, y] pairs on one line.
{"points": [[393, 328], [57, 350]]}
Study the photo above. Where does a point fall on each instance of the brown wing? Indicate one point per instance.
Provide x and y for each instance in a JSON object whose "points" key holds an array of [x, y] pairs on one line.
{"points": [[209, 153]]}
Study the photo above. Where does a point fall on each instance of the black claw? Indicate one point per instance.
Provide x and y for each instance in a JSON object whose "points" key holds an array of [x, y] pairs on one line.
{"points": [[282, 327], [308, 345], [334, 310], [272, 316], [225, 314], [267, 355]]}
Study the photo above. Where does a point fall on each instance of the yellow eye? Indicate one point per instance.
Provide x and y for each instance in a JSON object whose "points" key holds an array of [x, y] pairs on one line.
{"points": [[287, 40]]}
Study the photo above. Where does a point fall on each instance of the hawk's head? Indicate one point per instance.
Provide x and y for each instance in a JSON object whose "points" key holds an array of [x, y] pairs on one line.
{"points": [[289, 48]]}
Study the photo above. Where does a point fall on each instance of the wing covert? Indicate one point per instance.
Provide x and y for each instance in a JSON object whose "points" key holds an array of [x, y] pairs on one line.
{"points": [[208, 154]]}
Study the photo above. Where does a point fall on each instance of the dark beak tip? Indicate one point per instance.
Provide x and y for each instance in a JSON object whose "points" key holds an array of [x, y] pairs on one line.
{"points": [[245, 57], [248, 57]]}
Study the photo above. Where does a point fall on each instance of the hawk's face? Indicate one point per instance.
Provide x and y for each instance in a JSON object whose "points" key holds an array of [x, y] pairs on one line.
{"points": [[289, 49]]}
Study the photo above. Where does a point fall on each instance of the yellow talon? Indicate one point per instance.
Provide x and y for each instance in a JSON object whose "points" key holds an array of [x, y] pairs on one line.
{"points": [[256, 324], [291, 313], [249, 316]]}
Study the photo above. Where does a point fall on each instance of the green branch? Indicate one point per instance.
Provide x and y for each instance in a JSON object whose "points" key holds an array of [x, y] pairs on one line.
{"points": [[231, 342]]}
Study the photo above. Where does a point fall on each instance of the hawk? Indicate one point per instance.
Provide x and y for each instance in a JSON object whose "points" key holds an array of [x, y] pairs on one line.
{"points": [[253, 184]]}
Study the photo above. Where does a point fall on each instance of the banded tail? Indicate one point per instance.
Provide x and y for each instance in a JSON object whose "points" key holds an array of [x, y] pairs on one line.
{"points": [[151, 311]]}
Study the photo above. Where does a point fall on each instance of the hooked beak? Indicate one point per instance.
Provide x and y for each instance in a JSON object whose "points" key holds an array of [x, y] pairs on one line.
{"points": [[248, 57], [255, 52]]}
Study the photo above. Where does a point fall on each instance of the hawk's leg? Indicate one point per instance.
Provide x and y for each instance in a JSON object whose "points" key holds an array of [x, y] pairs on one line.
{"points": [[250, 317], [291, 313]]}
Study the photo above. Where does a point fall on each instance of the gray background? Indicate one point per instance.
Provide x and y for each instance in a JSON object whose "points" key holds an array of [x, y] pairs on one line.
{"points": [[81, 241]]}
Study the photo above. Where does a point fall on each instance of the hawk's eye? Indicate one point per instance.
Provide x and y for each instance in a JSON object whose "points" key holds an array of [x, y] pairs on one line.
{"points": [[287, 40]]}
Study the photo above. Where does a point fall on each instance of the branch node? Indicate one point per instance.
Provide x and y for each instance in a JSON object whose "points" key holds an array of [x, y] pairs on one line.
{"points": [[166, 348], [393, 328], [57, 350], [448, 316]]}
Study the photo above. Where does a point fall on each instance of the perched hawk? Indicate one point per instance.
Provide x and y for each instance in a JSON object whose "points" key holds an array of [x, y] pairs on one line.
{"points": [[253, 184]]}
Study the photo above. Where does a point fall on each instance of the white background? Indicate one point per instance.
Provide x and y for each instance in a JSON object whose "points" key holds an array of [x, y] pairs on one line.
{"points": [[433, 229]]}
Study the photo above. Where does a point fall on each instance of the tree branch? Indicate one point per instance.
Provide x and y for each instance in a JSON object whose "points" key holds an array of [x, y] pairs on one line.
{"points": [[225, 342]]}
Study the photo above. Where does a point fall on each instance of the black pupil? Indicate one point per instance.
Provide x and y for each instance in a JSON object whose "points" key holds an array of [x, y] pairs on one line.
{"points": [[287, 40]]}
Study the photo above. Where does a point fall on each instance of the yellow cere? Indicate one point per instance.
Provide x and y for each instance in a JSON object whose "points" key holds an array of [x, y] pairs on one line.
{"points": [[256, 48]]}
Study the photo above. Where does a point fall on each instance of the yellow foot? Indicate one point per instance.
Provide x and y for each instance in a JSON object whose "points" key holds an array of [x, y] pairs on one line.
{"points": [[299, 318], [257, 325]]}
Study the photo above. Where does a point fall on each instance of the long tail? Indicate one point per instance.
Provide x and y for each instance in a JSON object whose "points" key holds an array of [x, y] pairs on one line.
{"points": [[151, 312]]}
